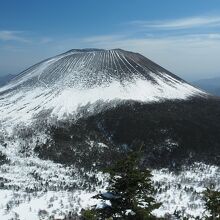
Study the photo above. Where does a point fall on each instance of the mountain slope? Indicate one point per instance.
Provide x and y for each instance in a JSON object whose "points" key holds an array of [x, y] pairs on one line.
{"points": [[172, 133], [66, 118], [63, 83]]}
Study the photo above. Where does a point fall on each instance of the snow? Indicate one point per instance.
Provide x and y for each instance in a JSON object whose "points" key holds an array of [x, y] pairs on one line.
{"points": [[33, 187], [44, 88], [54, 203], [129, 212], [69, 100], [182, 191]]}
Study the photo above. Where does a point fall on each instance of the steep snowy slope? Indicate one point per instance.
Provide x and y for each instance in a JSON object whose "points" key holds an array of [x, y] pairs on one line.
{"points": [[63, 83]]}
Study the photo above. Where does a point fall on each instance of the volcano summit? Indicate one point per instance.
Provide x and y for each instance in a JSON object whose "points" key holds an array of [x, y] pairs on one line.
{"points": [[63, 83]]}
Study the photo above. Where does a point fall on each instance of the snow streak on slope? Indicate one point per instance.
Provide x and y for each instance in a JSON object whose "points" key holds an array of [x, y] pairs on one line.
{"points": [[78, 77]]}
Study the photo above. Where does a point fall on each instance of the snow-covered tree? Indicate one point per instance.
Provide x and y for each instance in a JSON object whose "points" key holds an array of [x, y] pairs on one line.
{"points": [[129, 194], [212, 203]]}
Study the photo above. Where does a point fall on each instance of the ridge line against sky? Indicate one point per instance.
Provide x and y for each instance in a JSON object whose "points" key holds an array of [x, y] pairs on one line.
{"points": [[187, 45]]}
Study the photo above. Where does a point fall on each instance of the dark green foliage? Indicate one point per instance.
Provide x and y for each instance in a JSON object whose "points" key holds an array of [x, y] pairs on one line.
{"points": [[130, 192], [89, 215], [75, 143], [173, 133], [3, 158], [212, 203]]}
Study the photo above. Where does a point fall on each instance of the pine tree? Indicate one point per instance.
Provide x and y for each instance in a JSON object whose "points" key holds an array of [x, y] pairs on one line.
{"points": [[130, 192], [212, 203]]}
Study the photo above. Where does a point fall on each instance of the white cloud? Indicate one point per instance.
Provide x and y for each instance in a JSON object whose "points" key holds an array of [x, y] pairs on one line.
{"points": [[103, 38], [183, 23], [18, 36], [45, 40], [6, 35]]}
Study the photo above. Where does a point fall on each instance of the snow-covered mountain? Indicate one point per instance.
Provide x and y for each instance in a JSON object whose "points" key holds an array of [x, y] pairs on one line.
{"points": [[63, 83], [65, 118]]}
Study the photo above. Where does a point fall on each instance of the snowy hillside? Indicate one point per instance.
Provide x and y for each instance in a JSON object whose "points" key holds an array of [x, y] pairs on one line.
{"points": [[34, 189], [66, 118], [63, 83]]}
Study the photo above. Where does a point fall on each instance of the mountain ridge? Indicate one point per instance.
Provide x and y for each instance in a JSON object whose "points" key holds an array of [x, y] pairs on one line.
{"points": [[78, 77]]}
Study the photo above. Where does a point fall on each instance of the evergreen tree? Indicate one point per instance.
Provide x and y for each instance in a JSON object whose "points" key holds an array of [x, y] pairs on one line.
{"points": [[89, 214], [129, 194], [212, 203]]}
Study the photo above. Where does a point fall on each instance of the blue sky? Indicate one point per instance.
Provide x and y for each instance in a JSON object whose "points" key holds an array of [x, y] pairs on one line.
{"points": [[182, 36]]}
